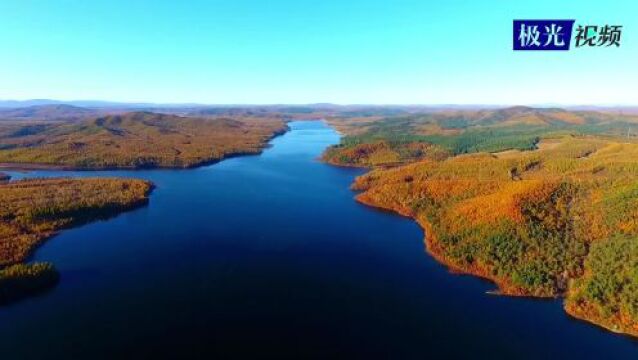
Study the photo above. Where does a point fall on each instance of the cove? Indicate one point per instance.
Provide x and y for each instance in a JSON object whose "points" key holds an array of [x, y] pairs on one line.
{"points": [[270, 256]]}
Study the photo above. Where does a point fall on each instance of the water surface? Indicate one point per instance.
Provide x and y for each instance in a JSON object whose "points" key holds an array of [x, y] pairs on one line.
{"points": [[269, 255]]}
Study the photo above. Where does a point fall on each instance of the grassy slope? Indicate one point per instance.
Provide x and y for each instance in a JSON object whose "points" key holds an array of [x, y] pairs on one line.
{"points": [[135, 140], [559, 221], [33, 210]]}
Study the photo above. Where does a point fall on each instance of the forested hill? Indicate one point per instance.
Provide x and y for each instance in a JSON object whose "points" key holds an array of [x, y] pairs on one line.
{"points": [[135, 140], [554, 215], [377, 140]]}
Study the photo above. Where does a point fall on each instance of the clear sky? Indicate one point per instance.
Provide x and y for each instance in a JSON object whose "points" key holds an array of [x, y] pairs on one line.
{"points": [[300, 51]]}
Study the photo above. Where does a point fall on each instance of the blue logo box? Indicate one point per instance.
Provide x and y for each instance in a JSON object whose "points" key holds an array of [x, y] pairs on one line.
{"points": [[542, 34]]}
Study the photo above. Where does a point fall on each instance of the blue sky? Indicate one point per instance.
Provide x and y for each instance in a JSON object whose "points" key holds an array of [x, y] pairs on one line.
{"points": [[299, 51]]}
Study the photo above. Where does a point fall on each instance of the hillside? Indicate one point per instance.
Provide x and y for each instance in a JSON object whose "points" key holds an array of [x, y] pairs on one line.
{"points": [[542, 210], [135, 140], [460, 132], [541, 223]]}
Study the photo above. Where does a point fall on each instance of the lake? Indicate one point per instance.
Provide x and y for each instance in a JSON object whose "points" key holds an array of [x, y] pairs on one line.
{"points": [[270, 256]]}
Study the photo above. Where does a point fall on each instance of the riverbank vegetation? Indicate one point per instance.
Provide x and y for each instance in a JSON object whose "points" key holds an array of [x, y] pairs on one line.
{"points": [[547, 213], [607, 293], [22, 280], [33, 210], [383, 153], [135, 140]]}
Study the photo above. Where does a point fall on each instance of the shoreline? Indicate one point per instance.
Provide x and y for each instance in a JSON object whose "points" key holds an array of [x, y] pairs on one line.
{"points": [[22, 275], [102, 217], [503, 288], [102, 214], [430, 240], [633, 335], [431, 246], [503, 284]]}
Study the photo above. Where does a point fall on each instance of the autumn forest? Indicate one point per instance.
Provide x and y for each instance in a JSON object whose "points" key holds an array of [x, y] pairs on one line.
{"points": [[540, 201]]}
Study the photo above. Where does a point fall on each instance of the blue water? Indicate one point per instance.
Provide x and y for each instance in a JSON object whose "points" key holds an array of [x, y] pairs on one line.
{"points": [[269, 256]]}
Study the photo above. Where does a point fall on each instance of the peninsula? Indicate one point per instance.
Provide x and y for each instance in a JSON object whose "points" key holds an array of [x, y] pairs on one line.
{"points": [[66, 137], [540, 201], [32, 211]]}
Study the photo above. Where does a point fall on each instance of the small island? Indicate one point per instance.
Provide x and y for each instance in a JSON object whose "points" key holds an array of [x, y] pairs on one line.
{"points": [[31, 211], [540, 201]]}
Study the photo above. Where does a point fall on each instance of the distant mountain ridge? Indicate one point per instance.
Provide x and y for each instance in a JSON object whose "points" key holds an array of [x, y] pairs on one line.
{"points": [[89, 104], [48, 112], [316, 106]]}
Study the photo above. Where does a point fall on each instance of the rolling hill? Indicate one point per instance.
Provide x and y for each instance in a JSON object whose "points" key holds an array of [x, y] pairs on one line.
{"points": [[460, 132], [135, 140]]}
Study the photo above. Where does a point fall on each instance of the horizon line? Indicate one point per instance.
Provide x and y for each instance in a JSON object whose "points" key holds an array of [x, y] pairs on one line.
{"points": [[202, 104]]}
